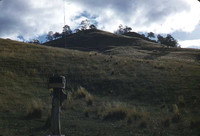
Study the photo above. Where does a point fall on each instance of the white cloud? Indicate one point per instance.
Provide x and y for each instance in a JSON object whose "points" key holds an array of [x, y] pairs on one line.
{"points": [[33, 18], [36, 17], [190, 43], [163, 16]]}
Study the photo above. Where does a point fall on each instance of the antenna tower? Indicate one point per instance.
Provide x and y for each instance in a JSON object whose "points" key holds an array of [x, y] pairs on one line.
{"points": [[64, 20]]}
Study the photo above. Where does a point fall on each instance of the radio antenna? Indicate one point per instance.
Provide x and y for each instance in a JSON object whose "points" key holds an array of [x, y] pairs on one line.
{"points": [[64, 21]]}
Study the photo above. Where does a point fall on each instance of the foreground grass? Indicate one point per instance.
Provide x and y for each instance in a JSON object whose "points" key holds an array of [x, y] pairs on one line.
{"points": [[146, 89]]}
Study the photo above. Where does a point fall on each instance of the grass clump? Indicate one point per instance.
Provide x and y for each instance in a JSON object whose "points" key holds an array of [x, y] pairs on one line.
{"points": [[113, 111], [176, 114], [81, 92], [121, 111], [134, 115], [34, 109], [89, 99], [116, 113], [69, 97]]}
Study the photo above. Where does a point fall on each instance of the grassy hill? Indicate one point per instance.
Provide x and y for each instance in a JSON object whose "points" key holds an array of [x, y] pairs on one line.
{"points": [[131, 90], [98, 40]]}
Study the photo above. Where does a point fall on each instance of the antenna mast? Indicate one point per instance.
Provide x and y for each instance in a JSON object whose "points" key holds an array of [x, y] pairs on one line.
{"points": [[64, 20]]}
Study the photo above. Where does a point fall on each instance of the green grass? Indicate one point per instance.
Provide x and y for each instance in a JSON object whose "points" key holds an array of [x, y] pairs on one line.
{"points": [[142, 77]]}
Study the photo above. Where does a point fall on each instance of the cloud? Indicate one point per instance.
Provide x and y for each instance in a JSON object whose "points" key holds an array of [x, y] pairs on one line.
{"points": [[190, 43], [163, 16], [32, 18]]}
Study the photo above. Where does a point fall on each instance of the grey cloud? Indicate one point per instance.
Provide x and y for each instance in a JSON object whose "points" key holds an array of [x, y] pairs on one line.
{"points": [[12, 16], [127, 10], [20, 17]]}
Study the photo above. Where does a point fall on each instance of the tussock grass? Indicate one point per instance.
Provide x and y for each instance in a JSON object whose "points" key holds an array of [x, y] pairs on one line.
{"points": [[121, 111], [69, 97], [34, 109], [112, 111], [89, 99], [81, 92], [138, 115], [176, 114]]}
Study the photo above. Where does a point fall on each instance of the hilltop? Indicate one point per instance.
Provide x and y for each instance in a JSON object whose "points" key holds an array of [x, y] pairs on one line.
{"points": [[138, 87], [94, 39]]}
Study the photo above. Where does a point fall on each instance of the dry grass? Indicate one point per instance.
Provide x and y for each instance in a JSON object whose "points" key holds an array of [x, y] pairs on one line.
{"points": [[34, 109], [135, 115], [121, 111], [69, 97], [181, 101], [81, 92], [176, 114], [89, 99], [112, 111]]}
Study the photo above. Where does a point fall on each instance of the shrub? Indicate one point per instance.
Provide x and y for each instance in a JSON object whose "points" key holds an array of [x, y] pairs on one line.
{"points": [[34, 109]]}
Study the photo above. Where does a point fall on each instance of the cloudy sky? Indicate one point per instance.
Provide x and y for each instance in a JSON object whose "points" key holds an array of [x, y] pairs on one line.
{"points": [[28, 19]]}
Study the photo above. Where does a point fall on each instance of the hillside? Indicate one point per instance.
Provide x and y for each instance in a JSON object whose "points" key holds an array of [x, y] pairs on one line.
{"points": [[98, 40], [137, 90]]}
